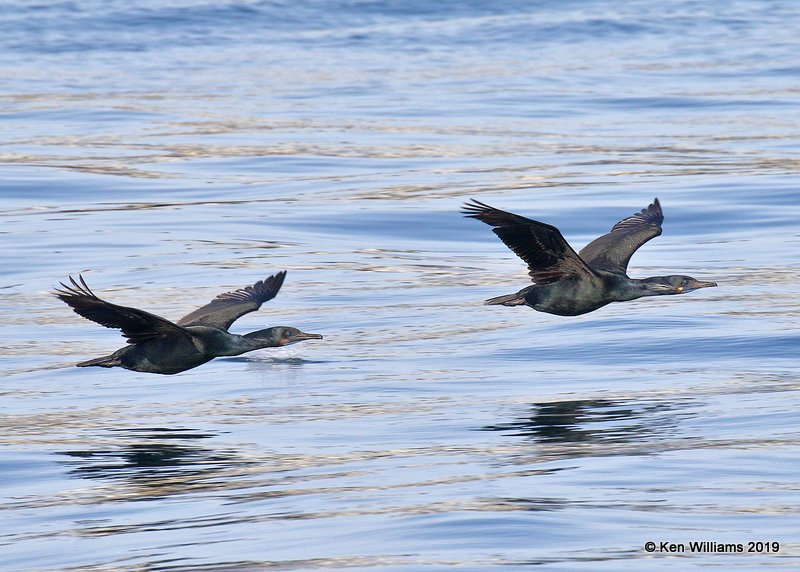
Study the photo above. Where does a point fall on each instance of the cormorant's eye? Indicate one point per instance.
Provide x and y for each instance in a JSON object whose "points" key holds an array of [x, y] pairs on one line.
{"points": [[287, 334]]}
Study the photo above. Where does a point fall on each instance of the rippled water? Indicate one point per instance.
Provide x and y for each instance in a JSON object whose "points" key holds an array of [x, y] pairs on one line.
{"points": [[172, 151]]}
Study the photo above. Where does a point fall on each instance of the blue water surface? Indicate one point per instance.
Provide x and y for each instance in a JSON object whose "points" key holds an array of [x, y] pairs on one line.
{"points": [[170, 151]]}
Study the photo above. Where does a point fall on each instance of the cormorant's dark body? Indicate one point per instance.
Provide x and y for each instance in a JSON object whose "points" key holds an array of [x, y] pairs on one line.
{"points": [[573, 297], [176, 354], [160, 346], [567, 283]]}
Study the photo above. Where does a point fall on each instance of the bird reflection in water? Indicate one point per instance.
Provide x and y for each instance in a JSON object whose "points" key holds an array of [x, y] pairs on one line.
{"points": [[161, 461], [599, 421]]}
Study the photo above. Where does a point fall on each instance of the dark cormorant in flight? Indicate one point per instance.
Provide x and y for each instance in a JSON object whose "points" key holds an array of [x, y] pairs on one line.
{"points": [[570, 284], [157, 345]]}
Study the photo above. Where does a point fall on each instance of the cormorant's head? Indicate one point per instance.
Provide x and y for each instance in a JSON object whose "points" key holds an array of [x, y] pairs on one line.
{"points": [[675, 284], [280, 336]]}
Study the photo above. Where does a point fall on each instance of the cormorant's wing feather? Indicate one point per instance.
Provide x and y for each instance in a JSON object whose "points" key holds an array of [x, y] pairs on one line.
{"points": [[613, 251], [226, 308], [137, 325], [549, 257]]}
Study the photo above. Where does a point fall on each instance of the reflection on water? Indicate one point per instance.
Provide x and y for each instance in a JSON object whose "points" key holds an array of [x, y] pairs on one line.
{"points": [[596, 421], [150, 458]]}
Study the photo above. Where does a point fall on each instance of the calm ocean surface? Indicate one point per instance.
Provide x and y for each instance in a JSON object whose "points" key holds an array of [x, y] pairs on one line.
{"points": [[170, 151]]}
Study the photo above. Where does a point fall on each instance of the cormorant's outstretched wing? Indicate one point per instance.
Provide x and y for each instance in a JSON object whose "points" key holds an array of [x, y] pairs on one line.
{"points": [[613, 251], [549, 257], [226, 308], [137, 325]]}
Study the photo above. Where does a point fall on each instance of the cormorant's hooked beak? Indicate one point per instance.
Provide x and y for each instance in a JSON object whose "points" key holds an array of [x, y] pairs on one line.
{"points": [[299, 337], [695, 285]]}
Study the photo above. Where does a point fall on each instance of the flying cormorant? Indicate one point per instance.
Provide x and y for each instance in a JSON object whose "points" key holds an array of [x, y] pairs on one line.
{"points": [[157, 345], [570, 284]]}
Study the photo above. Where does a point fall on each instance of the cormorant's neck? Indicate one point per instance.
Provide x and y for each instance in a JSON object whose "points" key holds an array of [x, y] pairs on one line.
{"points": [[268, 338], [640, 287], [227, 344]]}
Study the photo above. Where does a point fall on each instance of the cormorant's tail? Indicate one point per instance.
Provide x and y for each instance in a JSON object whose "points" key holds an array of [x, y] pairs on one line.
{"points": [[105, 361], [507, 300]]}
